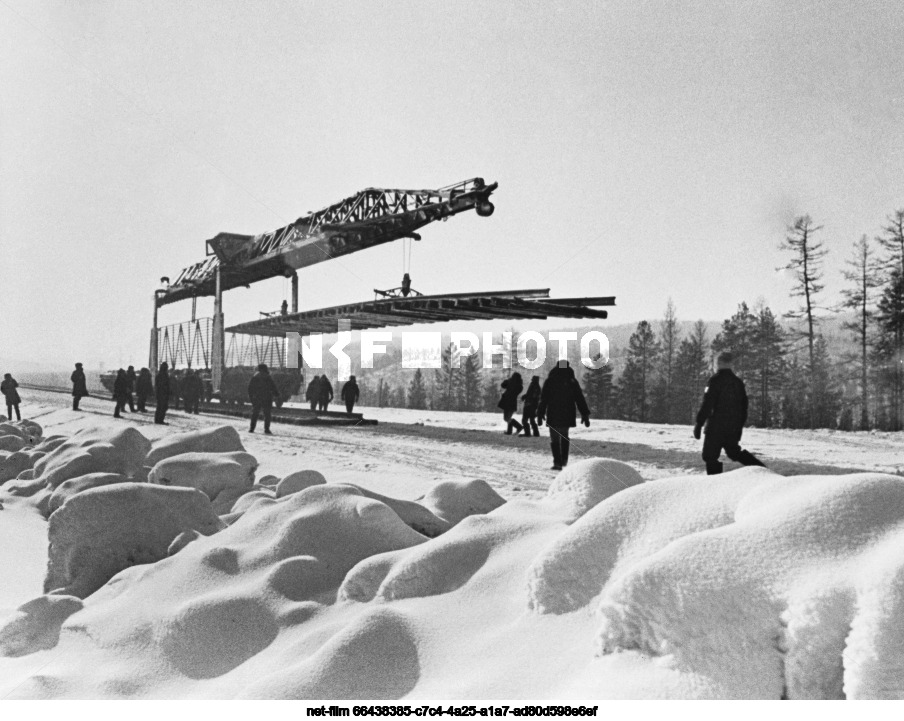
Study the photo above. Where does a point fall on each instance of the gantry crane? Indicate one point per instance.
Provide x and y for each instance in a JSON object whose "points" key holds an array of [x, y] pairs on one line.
{"points": [[369, 218]]}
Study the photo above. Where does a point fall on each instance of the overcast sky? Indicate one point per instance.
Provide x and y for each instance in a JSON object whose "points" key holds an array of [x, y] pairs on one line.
{"points": [[645, 150]]}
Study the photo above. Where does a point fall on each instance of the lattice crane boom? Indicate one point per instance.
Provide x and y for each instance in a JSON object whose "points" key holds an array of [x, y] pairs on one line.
{"points": [[371, 217]]}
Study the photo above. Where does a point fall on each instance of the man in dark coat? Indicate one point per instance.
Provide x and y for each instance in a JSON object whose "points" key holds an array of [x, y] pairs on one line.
{"points": [[175, 385], [8, 389], [79, 385], [560, 394], [191, 391], [162, 393], [131, 378], [325, 391], [312, 394], [724, 412], [350, 394], [511, 389], [531, 403], [262, 391], [120, 392], [144, 387]]}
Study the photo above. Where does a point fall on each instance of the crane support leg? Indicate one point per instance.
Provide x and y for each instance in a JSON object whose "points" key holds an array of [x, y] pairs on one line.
{"points": [[152, 355], [294, 292], [218, 342]]}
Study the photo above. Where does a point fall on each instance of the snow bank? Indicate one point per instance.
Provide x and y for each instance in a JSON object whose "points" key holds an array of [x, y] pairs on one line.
{"points": [[67, 489], [210, 473], [219, 439], [584, 484], [101, 531], [453, 501], [298, 481], [93, 451], [744, 585], [35, 626], [757, 586]]}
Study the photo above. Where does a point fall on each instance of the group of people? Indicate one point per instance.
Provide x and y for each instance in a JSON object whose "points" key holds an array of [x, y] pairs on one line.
{"points": [[319, 393], [558, 402]]}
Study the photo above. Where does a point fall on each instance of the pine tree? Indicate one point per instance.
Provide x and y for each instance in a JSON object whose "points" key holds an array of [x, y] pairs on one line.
{"points": [[397, 397], [769, 348], [795, 413], [670, 337], [864, 278], [490, 393], [806, 262], [469, 386], [692, 369], [824, 398], [637, 378], [417, 392], [445, 384], [890, 319], [598, 391], [738, 337]]}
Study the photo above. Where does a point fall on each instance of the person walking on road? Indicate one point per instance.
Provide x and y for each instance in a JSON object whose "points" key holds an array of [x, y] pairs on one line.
{"points": [[312, 394], [131, 378], [120, 392], [8, 389], [262, 391], [191, 391], [79, 385], [325, 391], [512, 388], [350, 394], [144, 388], [560, 394], [162, 394], [724, 413], [529, 413]]}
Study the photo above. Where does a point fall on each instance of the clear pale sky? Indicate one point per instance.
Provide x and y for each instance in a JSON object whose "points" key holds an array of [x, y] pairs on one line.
{"points": [[645, 150]]}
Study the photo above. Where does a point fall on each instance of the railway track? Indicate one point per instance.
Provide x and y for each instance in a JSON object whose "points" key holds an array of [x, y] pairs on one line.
{"points": [[290, 416]]}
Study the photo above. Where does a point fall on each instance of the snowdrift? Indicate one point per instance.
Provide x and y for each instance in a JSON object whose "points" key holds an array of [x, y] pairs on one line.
{"points": [[745, 585]]}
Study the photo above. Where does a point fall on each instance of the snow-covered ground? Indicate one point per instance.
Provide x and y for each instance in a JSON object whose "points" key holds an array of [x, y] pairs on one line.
{"points": [[874, 450], [441, 566]]}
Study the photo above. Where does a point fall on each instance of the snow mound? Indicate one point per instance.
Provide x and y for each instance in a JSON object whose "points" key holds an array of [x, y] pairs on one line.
{"points": [[222, 599], [453, 501], [101, 531], [253, 499], [412, 514], [29, 431], [93, 451], [352, 664], [298, 481], [797, 596], [626, 528], [584, 484], [67, 489], [15, 463], [219, 439], [35, 626], [210, 473], [444, 565], [12, 442]]}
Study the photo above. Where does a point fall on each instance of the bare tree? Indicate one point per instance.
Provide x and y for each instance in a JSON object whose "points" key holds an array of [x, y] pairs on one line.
{"points": [[864, 277], [806, 262]]}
